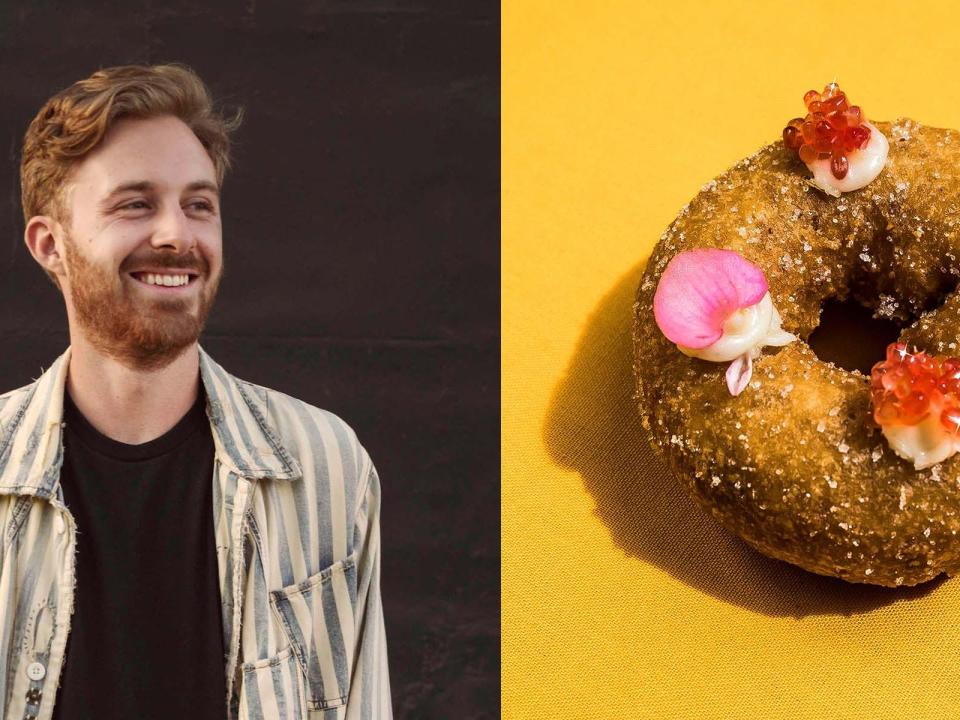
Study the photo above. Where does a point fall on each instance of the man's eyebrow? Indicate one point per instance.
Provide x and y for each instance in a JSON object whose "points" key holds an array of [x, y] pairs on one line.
{"points": [[144, 185]]}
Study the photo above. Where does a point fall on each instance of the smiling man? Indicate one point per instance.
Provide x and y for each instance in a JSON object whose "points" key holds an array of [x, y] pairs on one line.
{"points": [[178, 542]]}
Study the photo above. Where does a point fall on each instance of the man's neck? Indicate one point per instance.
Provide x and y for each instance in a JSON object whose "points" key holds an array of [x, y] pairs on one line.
{"points": [[129, 405]]}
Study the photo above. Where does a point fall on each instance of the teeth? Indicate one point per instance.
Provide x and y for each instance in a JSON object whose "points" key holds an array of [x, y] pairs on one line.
{"points": [[167, 280]]}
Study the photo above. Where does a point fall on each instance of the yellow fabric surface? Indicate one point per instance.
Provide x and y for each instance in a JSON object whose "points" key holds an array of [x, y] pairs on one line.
{"points": [[620, 597]]}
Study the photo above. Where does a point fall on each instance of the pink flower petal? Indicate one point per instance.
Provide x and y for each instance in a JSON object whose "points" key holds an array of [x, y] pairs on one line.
{"points": [[739, 373], [700, 289]]}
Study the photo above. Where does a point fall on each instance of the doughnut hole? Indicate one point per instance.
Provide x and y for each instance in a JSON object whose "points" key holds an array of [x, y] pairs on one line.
{"points": [[854, 331], [850, 336]]}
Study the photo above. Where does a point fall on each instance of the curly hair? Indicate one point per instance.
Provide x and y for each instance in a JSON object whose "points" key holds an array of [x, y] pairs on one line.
{"points": [[72, 123]]}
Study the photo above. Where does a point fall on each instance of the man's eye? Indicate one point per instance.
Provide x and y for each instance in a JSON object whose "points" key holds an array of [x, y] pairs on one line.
{"points": [[129, 205]]}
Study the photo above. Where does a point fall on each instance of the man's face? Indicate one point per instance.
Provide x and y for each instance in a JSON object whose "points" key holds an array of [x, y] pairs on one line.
{"points": [[170, 224]]}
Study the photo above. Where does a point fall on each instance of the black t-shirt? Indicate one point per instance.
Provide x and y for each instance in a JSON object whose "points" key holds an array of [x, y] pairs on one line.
{"points": [[146, 635]]}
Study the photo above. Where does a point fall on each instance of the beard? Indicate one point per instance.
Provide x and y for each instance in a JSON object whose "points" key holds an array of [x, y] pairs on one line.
{"points": [[140, 330]]}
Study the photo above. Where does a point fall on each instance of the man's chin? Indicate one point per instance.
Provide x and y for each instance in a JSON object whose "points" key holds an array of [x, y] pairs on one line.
{"points": [[144, 339], [148, 350]]}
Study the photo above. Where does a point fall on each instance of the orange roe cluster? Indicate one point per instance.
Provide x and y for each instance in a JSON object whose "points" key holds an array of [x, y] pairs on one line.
{"points": [[832, 129], [906, 387]]}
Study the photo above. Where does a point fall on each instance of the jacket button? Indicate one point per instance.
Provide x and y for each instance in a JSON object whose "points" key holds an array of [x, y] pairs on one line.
{"points": [[36, 671], [34, 695]]}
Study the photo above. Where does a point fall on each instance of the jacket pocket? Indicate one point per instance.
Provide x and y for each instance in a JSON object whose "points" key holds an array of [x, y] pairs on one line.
{"points": [[317, 616], [272, 688]]}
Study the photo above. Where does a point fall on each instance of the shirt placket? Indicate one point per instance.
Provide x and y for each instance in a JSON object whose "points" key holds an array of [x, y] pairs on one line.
{"points": [[239, 525], [40, 704]]}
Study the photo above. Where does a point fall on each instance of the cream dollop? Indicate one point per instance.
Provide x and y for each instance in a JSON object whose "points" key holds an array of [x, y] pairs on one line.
{"points": [[863, 166], [926, 443], [745, 331]]}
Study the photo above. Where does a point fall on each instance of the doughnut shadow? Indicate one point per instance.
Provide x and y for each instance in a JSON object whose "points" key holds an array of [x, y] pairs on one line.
{"points": [[593, 426]]}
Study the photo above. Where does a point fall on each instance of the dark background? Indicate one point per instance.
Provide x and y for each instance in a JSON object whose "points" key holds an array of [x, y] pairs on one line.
{"points": [[361, 256]]}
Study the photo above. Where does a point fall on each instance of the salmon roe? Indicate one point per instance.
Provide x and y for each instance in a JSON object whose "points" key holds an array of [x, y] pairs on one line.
{"points": [[906, 387], [832, 129]]}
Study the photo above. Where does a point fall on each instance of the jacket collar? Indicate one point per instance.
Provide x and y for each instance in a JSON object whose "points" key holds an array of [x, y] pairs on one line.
{"points": [[31, 430]]}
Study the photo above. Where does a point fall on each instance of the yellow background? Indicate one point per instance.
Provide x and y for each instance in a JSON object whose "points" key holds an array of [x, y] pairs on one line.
{"points": [[620, 598]]}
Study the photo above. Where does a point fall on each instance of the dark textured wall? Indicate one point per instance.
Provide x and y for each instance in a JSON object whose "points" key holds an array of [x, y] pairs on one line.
{"points": [[361, 250]]}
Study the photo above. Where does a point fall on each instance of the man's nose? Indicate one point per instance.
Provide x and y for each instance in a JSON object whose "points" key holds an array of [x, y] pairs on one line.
{"points": [[173, 230]]}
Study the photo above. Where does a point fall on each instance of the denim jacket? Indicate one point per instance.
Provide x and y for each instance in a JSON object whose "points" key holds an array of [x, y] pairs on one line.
{"points": [[296, 505]]}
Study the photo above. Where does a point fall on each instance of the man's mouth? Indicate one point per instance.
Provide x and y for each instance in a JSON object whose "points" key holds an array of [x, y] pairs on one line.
{"points": [[171, 282]]}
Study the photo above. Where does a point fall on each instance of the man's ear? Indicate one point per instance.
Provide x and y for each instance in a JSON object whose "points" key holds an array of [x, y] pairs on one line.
{"points": [[43, 237]]}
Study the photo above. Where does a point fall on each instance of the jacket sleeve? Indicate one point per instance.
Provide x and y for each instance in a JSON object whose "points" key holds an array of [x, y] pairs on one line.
{"points": [[369, 697]]}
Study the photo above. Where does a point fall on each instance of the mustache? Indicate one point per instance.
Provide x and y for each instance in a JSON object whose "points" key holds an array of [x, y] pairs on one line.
{"points": [[168, 264]]}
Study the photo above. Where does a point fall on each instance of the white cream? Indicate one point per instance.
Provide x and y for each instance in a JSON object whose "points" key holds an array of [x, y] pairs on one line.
{"points": [[744, 333], [926, 443], [863, 166], [747, 329]]}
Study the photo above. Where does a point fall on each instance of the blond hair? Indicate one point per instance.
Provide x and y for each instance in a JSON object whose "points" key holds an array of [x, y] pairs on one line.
{"points": [[72, 123]]}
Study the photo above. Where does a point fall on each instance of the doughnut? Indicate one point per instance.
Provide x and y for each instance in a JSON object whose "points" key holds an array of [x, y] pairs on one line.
{"points": [[841, 473]]}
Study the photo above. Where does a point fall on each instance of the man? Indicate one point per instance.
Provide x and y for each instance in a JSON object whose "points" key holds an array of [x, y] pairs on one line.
{"points": [[177, 542]]}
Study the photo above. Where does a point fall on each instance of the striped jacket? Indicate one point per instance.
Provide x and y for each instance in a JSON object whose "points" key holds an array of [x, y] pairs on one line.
{"points": [[296, 504]]}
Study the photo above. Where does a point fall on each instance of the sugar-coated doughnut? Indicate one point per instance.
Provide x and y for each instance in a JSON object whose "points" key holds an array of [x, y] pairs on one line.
{"points": [[840, 473]]}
